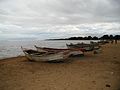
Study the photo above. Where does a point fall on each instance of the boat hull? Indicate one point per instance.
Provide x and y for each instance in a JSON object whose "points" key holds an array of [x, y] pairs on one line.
{"points": [[46, 57]]}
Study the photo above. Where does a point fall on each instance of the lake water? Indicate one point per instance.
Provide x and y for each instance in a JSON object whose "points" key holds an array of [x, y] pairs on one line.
{"points": [[12, 48]]}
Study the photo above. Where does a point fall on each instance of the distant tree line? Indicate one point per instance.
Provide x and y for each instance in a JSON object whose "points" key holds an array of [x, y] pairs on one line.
{"points": [[104, 37]]}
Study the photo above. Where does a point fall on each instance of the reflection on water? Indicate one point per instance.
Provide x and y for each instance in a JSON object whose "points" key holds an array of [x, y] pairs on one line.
{"points": [[12, 48]]}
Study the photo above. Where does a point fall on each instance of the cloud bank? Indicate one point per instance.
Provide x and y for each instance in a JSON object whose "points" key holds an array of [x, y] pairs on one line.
{"points": [[43, 19]]}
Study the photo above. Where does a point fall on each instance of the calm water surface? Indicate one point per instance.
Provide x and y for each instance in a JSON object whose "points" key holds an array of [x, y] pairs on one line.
{"points": [[12, 48]]}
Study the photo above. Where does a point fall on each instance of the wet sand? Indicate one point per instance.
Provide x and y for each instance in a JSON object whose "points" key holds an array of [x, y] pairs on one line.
{"points": [[90, 72]]}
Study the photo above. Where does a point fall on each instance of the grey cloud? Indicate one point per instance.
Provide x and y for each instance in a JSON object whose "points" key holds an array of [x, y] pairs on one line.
{"points": [[73, 11], [58, 31], [59, 17]]}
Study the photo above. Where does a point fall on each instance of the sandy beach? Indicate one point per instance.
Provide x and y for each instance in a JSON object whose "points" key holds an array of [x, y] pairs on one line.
{"points": [[90, 72]]}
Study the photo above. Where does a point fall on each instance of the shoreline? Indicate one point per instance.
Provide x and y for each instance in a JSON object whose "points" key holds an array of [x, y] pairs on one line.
{"points": [[10, 58], [13, 49], [90, 72]]}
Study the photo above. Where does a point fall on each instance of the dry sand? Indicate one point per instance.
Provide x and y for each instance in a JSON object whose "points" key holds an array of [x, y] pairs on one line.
{"points": [[91, 72]]}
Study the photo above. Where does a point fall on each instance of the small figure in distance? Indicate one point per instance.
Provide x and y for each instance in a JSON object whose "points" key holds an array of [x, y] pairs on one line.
{"points": [[112, 41], [115, 41]]}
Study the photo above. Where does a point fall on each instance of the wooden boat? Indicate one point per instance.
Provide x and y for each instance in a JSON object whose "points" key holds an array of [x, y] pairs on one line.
{"points": [[46, 49], [34, 55], [73, 50], [102, 42], [96, 45], [88, 47], [79, 45]]}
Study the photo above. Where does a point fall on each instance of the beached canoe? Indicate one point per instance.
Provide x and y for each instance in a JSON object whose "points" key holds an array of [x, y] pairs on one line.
{"points": [[46, 49], [87, 47], [34, 55], [103, 42]]}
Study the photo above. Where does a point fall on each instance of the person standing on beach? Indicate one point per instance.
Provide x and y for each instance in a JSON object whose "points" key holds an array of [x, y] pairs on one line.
{"points": [[115, 41], [112, 41], [116, 38]]}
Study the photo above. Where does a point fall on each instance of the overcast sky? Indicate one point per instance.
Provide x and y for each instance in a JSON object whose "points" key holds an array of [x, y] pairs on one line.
{"points": [[41, 19]]}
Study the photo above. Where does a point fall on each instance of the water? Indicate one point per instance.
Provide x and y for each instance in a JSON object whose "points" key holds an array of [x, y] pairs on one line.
{"points": [[12, 48]]}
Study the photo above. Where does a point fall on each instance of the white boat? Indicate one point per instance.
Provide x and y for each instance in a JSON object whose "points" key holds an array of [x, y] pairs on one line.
{"points": [[34, 55]]}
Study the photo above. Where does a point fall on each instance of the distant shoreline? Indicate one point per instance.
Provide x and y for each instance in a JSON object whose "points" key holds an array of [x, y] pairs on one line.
{"points": [[65, 40], [104, 37]]}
